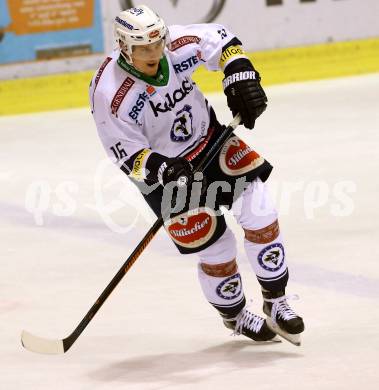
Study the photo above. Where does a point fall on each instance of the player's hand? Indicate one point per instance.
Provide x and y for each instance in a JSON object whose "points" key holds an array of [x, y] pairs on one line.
{"points": [[244, 92], [178, 170]]}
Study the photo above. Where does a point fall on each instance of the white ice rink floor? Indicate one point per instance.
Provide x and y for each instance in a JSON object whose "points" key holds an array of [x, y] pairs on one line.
{"points": [[69, 220]]}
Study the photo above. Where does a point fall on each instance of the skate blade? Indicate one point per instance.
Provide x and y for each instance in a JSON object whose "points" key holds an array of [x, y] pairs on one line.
{"points": [[275, 340], [292, 338]]}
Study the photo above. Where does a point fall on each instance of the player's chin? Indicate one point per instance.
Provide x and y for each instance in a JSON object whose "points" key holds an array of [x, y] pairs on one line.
{"points": [[152, 68]]}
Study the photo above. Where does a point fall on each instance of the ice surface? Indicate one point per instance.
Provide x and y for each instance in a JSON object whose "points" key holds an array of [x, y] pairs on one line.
{"points": [[68, 220]]}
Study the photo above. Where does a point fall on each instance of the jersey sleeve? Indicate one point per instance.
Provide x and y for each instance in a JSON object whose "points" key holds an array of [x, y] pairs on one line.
{"points": [[115, 133], [125, 143], [217, 45]]}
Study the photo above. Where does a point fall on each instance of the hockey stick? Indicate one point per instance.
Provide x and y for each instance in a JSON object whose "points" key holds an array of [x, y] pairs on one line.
{"points": [[59, 346]]}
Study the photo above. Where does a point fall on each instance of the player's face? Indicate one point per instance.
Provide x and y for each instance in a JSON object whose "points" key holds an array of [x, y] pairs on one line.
{"points": [[146, 57]]}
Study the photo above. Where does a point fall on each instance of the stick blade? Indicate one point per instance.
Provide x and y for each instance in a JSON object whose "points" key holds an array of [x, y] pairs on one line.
{"points": [[41, 345]]}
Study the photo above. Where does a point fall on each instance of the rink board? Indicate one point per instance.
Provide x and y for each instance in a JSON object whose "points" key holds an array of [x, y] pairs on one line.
{"points": [[314, 62]]}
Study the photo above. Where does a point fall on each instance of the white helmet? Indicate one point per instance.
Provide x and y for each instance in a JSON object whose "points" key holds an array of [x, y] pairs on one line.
{"points": [[138, 26]]}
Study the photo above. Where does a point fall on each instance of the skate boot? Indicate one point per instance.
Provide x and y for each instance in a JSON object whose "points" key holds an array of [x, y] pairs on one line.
{"points": [[250, 325], [281, 319]]}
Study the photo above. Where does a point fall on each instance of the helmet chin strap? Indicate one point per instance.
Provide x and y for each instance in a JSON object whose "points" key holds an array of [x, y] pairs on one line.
{"points": [[125, 53], [127, 57]]}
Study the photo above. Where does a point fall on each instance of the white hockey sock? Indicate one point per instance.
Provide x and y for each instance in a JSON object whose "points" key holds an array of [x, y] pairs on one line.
{"points": [[257, 215], [269, 263], [222, 287]]}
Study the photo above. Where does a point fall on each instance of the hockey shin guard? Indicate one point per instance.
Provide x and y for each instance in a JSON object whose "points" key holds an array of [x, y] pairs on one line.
{"points": [[222, 287], [266, 253]]}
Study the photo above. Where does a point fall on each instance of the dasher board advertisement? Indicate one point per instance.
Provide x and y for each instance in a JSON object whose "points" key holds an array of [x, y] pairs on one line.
{"points": [[49, 29], [270, 24]]}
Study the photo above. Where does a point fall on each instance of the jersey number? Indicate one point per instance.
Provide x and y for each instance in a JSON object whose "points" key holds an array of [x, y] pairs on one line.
{"points": [[223, 33], [118, 151]]}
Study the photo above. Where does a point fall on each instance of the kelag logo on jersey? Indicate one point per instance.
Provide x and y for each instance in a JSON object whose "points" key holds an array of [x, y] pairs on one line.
{"points": [[172, 99], [182, 127]]}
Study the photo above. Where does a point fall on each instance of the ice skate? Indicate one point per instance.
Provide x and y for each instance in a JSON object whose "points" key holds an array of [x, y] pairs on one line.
{"points": [[281, 319], [251, 326]]}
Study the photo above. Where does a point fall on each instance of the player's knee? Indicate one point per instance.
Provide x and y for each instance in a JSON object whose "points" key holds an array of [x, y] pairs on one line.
{"points": [[264, 235], [255, 209], [221, 251]]}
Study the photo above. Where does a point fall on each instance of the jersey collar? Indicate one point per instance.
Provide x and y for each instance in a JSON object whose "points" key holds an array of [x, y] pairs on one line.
{"points": [[160, 80]]}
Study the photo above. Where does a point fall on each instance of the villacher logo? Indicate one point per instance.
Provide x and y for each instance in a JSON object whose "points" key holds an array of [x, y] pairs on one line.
{"points": [[191, 230], [237, 158]]}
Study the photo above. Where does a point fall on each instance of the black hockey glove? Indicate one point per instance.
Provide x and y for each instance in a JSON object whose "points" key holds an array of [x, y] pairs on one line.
{"points": [[244, 92], [175, 168]]}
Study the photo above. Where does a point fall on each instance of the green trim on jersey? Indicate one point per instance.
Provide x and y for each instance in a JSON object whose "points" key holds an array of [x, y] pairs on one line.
{"points": [[160, 80]]}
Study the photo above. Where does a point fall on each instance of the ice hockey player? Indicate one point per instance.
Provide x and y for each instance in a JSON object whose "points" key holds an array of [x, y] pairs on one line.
{"points": [[156, 125]]}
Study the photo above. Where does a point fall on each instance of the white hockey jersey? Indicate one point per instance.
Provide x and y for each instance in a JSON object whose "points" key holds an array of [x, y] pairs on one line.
{"points": [[168, 114]]}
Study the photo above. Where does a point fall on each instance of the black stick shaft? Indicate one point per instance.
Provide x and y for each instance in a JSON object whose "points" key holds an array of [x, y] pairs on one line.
{"points": [[70, 340]]}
